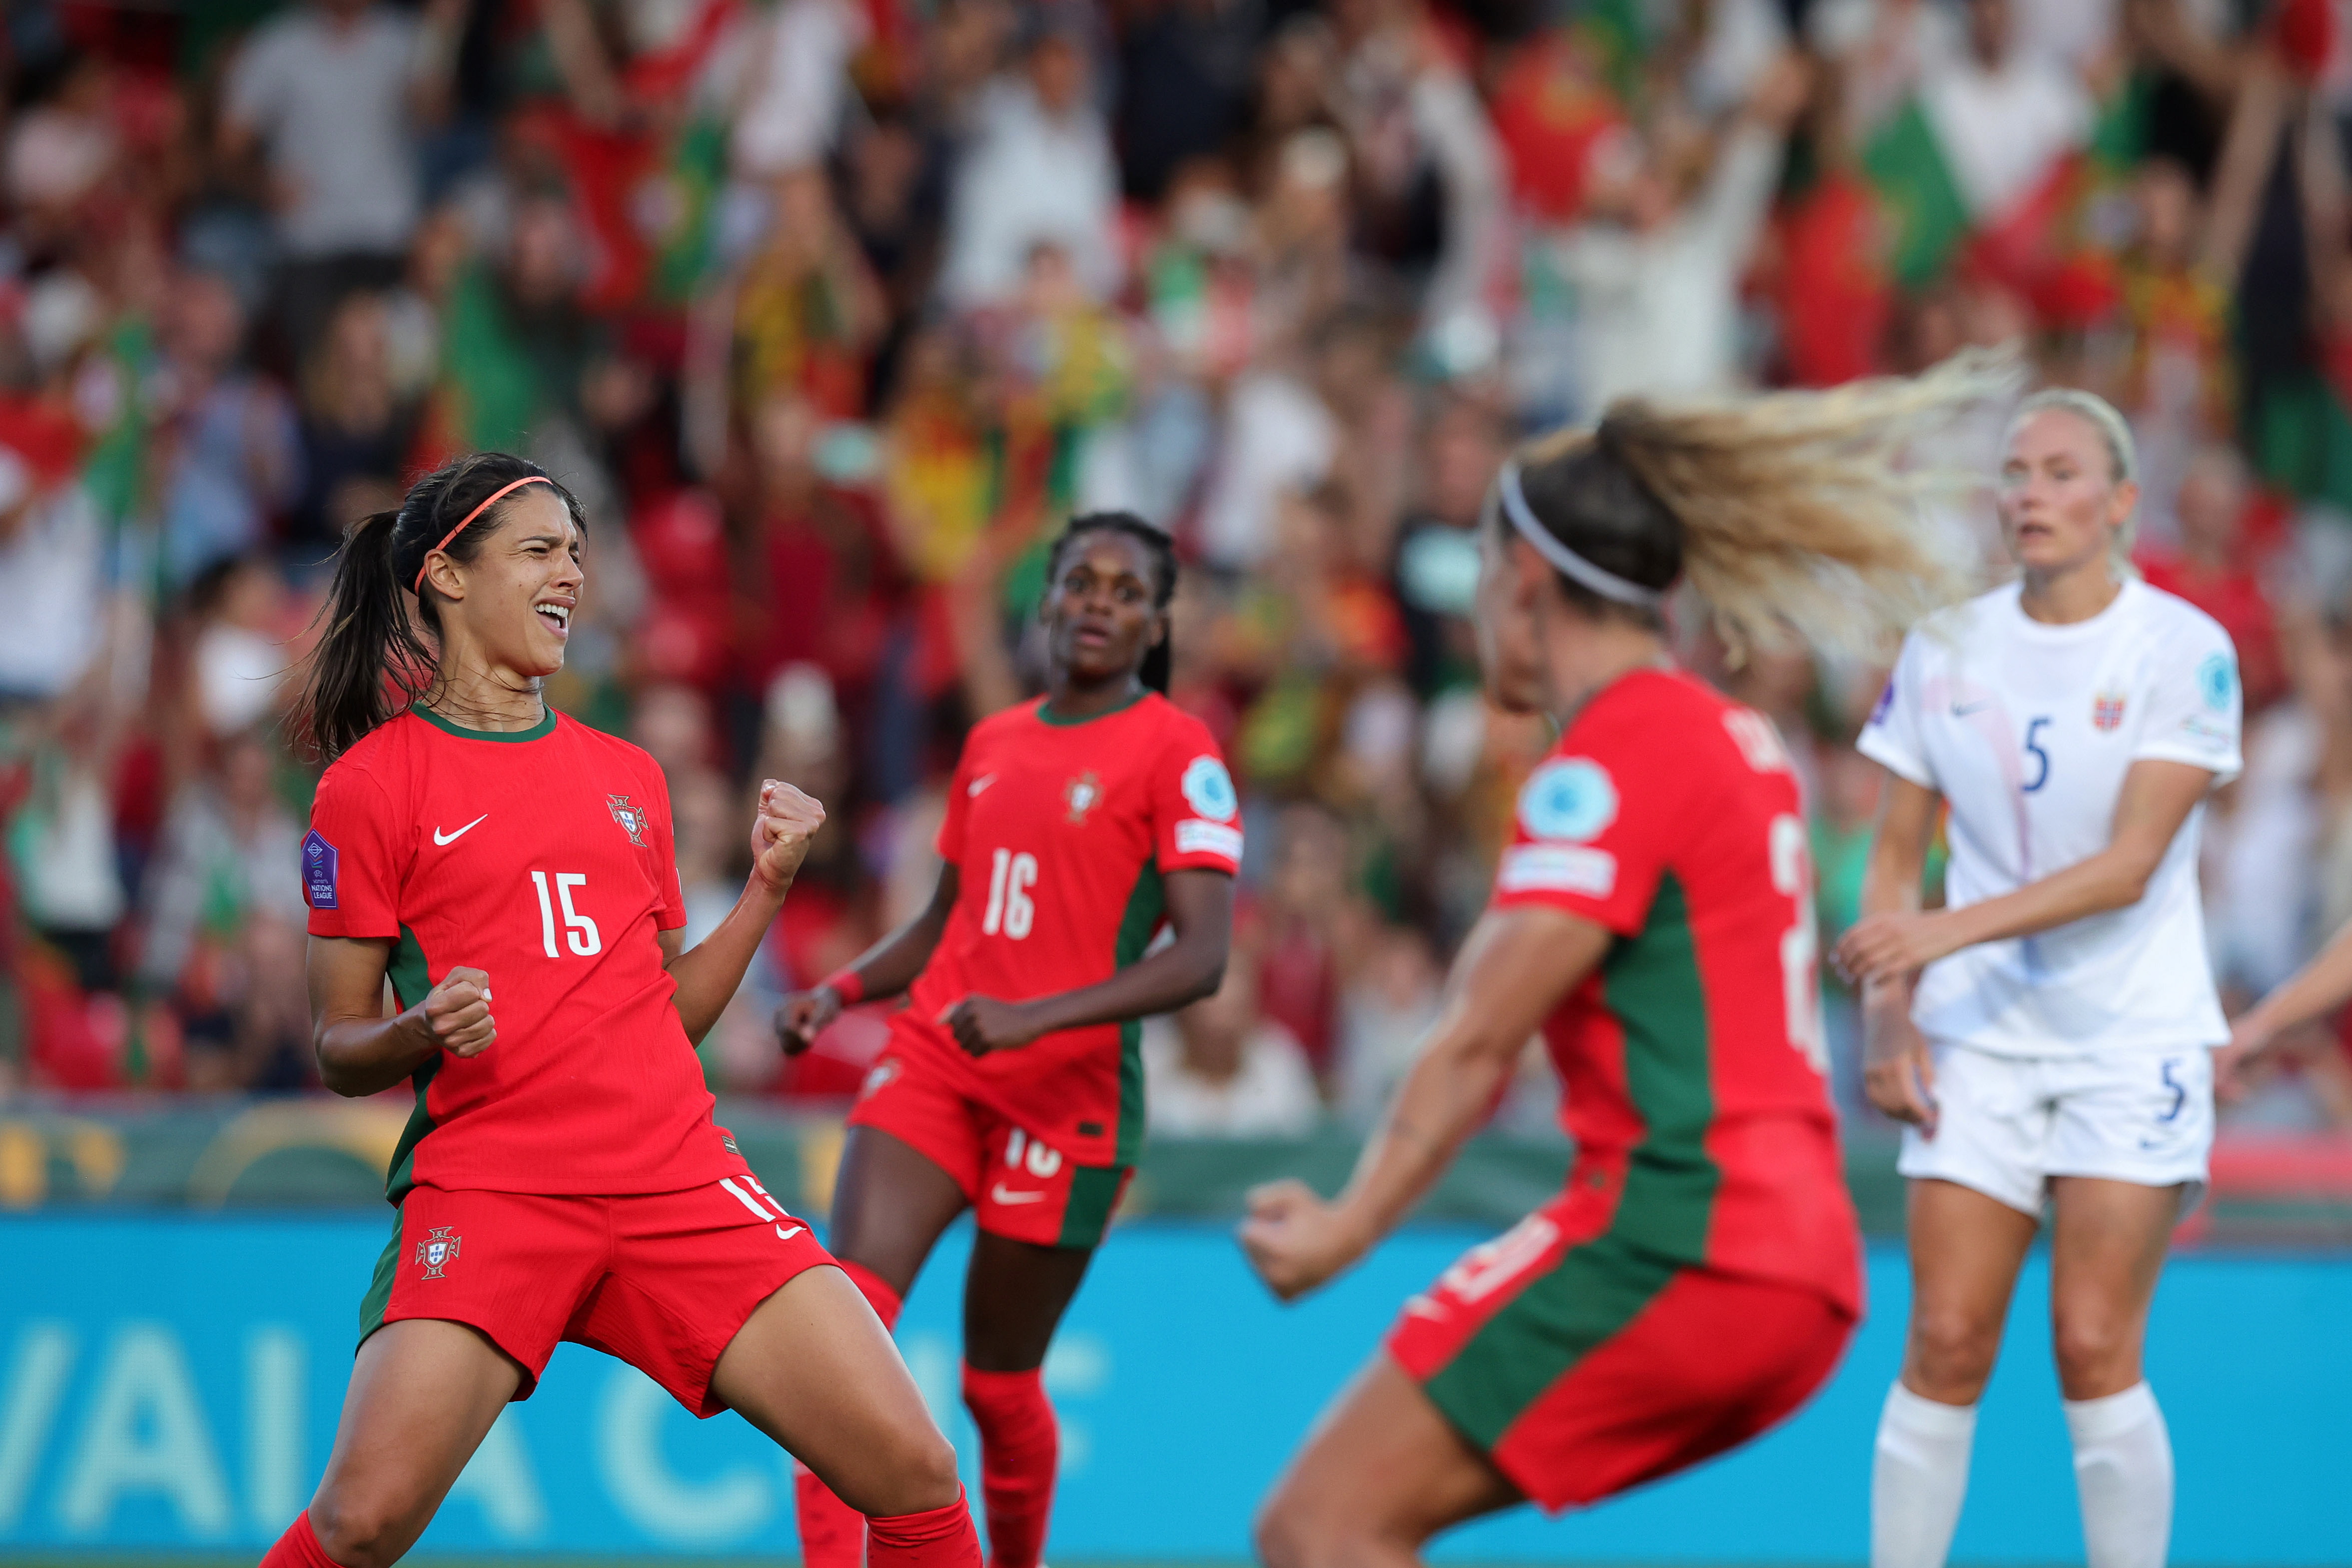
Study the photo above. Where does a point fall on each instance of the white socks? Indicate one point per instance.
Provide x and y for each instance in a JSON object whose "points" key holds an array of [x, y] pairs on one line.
{"points": [[1917, 1478], [2123, 1471]]}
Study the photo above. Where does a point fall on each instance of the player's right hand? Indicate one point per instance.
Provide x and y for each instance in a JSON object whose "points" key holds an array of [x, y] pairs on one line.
{"points": [[1294, 1239], [457, 1011], [804, 1016], [1898, 1072]]}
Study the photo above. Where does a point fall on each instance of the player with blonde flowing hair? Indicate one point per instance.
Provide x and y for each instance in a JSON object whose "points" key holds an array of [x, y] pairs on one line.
{"points": [[2045, 1035], [1653, 917]]}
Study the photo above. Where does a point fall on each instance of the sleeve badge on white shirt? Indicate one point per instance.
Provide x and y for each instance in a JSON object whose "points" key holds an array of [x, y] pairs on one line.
{"points": [[2217, 680]]}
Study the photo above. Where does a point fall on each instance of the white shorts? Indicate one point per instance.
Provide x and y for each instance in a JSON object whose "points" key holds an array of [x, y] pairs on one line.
{"points": [[2005, 1125]]}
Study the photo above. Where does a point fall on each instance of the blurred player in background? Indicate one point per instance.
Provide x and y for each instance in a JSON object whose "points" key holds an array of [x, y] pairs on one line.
{"points": [[561, 1178], [1077, 826], [2046, 1034], [1698, 1278]]}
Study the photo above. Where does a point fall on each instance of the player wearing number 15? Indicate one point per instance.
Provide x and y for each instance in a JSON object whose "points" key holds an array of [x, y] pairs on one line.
{"points": [[1700, 1274], [1076, 826], [509, 873]]}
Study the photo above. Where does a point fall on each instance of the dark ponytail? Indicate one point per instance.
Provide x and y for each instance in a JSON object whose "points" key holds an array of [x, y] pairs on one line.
{"points": [[375, 659], [1159, 661], [1586, 495]]}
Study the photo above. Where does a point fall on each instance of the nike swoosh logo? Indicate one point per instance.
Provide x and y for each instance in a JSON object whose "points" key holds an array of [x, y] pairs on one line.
{"points": [[981, 783], [1004, 1195], [783, 1235], [1960, 712], [441, 838]]}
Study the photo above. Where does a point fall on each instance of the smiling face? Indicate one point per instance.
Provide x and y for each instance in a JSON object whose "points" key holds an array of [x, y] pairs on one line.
{"points": [[511, 607], [2062, 500], [1098, 612]]}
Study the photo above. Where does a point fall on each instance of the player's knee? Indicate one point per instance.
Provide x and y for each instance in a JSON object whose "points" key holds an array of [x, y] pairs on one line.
{"points": [[1280, 1535], [1291, 1532], [2096, 1352], [360, 1532], [920, 1476], [1951, 1354]]}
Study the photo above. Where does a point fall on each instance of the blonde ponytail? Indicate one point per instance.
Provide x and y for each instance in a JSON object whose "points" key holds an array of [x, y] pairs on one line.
{"points": [[1801, 512]]}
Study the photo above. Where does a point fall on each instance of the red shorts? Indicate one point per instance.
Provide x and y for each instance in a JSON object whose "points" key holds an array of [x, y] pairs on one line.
{"points": [[663, 1280], [1019, 1186], [1581, 1365]]}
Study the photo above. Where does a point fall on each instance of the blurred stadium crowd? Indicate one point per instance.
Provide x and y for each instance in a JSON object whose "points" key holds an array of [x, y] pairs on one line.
{"points": [[833, 309]]}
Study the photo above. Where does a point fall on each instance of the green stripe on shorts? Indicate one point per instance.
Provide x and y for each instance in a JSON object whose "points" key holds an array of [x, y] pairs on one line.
{"points": [[378, 1300], [1093, 1190], [1653, 984], [1561, 1316]]}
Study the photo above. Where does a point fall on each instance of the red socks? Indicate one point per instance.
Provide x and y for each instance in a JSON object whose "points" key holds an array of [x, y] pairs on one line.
{"points": [[832, 1534], [1020, 1446], [942, 1537], [298, 1547]]}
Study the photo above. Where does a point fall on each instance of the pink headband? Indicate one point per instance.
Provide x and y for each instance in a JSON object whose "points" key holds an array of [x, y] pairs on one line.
{"points": [[495, 496]]}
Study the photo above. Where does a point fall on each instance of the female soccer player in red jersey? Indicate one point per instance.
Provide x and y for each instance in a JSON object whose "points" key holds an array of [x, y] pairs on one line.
{"points": [[1011, 1085], [1698, 1277], [561, 1178]]}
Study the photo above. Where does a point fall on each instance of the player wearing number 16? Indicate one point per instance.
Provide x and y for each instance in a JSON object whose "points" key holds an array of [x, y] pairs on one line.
{"points": [[1653, 917], [2045, 1035], [1077, 826], [509, 872]]}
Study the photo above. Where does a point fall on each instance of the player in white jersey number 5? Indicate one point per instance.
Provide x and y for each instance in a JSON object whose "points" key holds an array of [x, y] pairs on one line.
{"points": [[2046, 1033]]}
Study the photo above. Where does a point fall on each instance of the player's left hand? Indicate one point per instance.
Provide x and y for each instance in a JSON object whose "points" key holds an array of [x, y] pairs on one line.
{"points": [[1891, 946], [1294, 1240], [780, 832], [983, 1024]]}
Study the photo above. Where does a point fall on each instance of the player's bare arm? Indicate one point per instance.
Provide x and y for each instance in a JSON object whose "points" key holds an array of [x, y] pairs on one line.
{"points": [[885, 969], [2157, 798], [360, 1049], [1515, 970], [709, 975], [2318, 987], [1898, 1074], [1201, 917]]}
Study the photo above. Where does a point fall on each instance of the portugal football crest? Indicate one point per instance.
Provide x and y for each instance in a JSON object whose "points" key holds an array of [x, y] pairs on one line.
{"points": [[632, 819], [1081, 795], [438, 1251]]}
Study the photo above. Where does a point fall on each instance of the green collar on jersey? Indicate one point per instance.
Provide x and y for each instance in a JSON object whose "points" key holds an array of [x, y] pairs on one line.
{"points": [[1045, 714], [544, 727]]}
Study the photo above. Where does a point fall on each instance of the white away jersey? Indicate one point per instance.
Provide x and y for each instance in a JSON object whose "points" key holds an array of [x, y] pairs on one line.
{"points": [[2026, 731]]}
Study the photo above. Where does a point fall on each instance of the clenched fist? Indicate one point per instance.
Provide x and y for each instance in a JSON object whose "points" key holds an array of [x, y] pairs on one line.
{"points": [[804, 1016], [787, 820], [457, 1012], [1294, 1239]]}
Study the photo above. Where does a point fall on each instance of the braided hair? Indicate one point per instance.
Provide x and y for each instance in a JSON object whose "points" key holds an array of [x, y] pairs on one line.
{"points": [[1159, 660], [372, 662]]}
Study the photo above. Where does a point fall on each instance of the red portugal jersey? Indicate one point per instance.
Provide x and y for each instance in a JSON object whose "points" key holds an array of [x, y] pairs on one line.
{"points": [[1060, 833], [542, 857], [1692, 1058]]}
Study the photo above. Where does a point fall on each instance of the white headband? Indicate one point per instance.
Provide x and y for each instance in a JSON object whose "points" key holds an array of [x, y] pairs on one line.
{"points": [[1605, 583]]}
